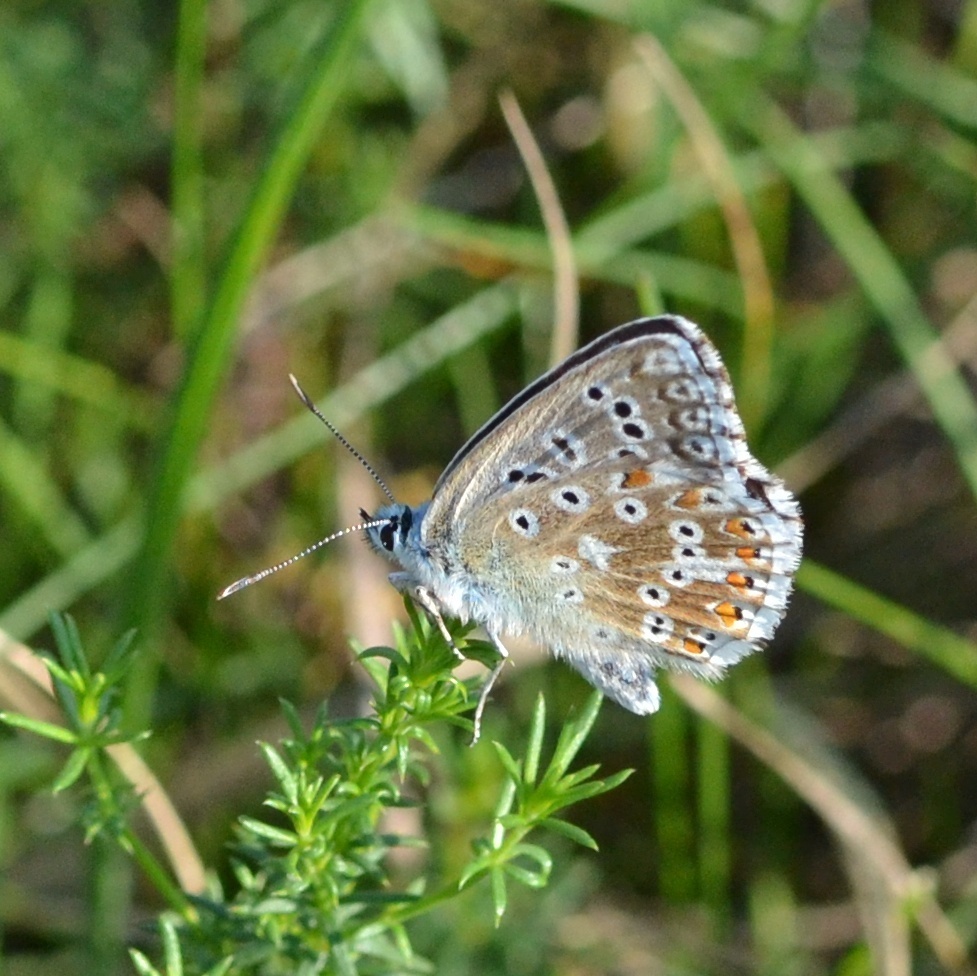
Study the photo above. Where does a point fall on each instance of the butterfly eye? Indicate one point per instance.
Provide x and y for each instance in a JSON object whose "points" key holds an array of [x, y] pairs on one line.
{"points": [[387, 535]]}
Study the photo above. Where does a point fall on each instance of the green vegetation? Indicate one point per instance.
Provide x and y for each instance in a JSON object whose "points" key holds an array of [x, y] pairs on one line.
{"points": [[197, 199]]}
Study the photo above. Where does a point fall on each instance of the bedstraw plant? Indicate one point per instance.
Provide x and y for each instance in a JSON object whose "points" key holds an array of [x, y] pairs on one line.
{"points": [[313, 889]]}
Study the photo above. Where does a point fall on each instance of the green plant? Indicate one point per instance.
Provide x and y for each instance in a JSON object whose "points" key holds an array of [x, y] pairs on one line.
{"points": [[313, 889], [197, 198]]}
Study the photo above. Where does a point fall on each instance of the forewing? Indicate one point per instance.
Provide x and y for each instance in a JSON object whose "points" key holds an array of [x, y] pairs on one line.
{"points": [[654, 390]]}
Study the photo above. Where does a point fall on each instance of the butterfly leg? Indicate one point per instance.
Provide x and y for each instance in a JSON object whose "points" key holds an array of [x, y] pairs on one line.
{"points": [[424, 598], [487, 686]]}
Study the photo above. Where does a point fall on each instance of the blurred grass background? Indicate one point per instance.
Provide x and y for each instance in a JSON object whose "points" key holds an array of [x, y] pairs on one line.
{"points": [[197, 199]]}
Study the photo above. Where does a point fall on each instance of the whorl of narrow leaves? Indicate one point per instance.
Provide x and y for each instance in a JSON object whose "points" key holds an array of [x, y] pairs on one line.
{"points": [[314, 891]]}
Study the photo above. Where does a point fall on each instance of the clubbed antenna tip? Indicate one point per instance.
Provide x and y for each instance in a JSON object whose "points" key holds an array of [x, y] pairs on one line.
{"points": [[307, 400], [248, 580]]}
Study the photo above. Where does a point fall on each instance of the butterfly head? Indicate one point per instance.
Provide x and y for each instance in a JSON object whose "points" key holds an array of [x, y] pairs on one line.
{"points": [[395, 531]]}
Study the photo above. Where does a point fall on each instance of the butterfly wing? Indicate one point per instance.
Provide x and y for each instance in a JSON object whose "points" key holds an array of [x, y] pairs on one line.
{"points": [[616, 514]]}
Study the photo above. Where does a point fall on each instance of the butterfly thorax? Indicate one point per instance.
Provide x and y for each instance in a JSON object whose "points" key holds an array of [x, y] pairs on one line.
{"points": [[433, 567]]}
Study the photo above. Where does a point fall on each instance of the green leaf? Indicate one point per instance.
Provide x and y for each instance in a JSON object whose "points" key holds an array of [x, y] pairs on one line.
{"points": [[274, 906], [281, 838], [387, 654], [47, 729], [342, 960], [68, 639], [526, 876], [486, 653], [142, 964], [379, 898], [171, 948], [583, 792], [119, 658], [603, 785], [613, 781], [512, 821], [423, 736], [294, 720], [578, 776], [406, 950], [59, 673], [71, 770], [506, 798], [534, 878], [281, 772], [535, 745], [572, 831], [471, 871], [572, 737], [509, 763], [420, 625], [403, 840], [378, 672], [499, 894], [66, 689]]}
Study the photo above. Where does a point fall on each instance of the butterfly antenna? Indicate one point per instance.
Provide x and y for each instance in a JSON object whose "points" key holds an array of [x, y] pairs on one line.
{"points": [[248, 580], [307, 400]]}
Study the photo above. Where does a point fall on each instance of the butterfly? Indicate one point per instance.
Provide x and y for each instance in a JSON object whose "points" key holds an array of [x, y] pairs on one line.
{"points": [[613, 513]]}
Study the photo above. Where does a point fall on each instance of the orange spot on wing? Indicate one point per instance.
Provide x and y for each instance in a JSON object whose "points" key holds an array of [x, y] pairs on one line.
{"points": [[689, 499], [740, 527], [692, 646], [729, 613], [740, 581], [636, 479], [748, 553]]}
